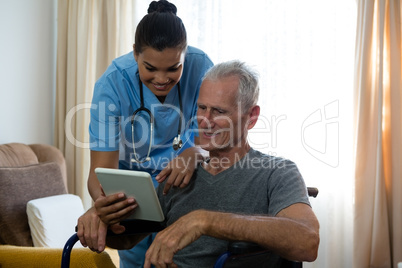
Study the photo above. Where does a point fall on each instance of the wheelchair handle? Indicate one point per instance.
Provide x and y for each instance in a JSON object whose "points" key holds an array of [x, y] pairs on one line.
{"points": [[65, 258], [312, 191]]}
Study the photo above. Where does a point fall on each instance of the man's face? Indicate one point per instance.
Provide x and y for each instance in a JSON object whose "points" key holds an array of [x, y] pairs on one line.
{"points": [[221, 122]]}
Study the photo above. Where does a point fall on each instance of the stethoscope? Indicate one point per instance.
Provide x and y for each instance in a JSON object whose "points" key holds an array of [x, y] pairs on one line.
{"points": [[177, 142]]}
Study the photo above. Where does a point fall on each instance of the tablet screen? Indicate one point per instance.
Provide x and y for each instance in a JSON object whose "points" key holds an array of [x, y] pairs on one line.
{"points": [[137, 184]]}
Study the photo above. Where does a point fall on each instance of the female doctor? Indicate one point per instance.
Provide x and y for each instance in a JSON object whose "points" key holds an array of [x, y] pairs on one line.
{"points": [[142, 117]]}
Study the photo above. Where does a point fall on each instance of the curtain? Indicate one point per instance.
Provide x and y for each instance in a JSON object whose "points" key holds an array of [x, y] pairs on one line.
{"points": [[90, 34], [378, 136]]}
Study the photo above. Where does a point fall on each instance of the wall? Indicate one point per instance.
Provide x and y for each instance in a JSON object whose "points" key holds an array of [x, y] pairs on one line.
{"points": [[27, 70]]}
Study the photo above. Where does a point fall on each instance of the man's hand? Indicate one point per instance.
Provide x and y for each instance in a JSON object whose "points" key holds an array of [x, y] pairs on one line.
{"points": [[92, 231], [183, 232], [107, 212]]}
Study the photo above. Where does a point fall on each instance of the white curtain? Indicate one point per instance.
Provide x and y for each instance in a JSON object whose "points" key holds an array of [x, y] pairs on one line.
{"points": [[90, 35], [378, 87], [304, 52]]}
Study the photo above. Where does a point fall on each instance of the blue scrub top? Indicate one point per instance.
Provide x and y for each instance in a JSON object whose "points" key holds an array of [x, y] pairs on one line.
{"points": [[117, 96]]}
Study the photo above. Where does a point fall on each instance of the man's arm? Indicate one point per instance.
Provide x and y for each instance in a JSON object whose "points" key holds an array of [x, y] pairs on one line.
{"points": [[292, 234]]}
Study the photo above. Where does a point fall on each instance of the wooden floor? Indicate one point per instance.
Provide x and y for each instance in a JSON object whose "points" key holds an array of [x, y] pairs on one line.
{"points": [[114, 256]]}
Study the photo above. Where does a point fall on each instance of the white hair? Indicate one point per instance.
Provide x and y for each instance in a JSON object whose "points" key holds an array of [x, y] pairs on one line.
{"points": [[248, 89]]}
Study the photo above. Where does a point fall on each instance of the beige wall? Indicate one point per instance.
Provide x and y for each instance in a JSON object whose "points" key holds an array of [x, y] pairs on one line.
{"points": [[27, 70]]}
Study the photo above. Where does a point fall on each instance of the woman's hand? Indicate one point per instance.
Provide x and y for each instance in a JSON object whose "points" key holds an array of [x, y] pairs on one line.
{"points": [[114, 208], [181, 169]]}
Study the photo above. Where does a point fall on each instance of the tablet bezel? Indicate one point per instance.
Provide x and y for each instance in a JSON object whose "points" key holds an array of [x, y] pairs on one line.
{"points": [[137, 184]]}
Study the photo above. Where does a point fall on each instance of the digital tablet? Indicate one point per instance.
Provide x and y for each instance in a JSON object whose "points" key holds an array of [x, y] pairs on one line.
{"points": [[137, 184]]}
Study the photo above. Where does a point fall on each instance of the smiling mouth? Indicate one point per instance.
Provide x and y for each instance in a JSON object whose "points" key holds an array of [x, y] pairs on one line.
{"points": [[161, 86], [210, 134]]}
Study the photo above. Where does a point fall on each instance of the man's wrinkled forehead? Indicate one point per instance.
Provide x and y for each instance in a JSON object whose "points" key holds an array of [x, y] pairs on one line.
{"points": [[218, 92]]}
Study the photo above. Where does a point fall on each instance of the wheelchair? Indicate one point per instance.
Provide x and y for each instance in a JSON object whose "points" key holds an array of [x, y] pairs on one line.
{"points": [[237, 250]]}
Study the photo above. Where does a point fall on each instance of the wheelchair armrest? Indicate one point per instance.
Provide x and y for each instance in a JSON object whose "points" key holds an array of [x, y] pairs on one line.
{"points": [[137, 227], [242, 247], [237, 248]]}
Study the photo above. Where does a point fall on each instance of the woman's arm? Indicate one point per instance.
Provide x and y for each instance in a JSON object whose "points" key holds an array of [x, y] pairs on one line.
{"points": [[100, 159]]}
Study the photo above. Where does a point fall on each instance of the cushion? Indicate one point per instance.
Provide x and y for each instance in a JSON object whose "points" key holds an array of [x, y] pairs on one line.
{"points": [[18, 185], [52, 219], [13, 256], [17, 154]]}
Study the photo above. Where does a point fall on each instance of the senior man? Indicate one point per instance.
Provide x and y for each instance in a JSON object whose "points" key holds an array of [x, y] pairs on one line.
{"points": [[238, 193]]}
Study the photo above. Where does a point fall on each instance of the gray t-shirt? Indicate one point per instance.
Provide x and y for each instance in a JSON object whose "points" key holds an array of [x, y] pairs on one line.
{"points": [[258, 184]]}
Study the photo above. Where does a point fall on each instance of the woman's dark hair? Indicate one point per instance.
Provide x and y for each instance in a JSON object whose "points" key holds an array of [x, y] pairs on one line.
{"points": [[160, 28]]}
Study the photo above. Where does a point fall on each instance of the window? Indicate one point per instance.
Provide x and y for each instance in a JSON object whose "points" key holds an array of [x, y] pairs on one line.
{"points": [[304, 52]]}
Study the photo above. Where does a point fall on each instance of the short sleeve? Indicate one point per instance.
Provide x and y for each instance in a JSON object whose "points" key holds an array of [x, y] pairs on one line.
{"points": [[104, 127], [286, 187]]}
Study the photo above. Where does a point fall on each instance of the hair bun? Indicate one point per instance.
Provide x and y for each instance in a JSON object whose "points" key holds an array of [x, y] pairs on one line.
{"points": [[162, 6]]}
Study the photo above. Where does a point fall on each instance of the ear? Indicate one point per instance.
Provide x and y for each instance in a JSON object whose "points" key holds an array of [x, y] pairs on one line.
{"points": [[253, 116], [135, 54]]}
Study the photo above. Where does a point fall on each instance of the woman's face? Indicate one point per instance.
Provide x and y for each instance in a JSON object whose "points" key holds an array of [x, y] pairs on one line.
{"points": [[160, 70]]}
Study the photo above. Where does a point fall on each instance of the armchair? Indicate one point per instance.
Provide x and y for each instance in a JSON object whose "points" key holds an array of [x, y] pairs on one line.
{"points": [[33, 191]]}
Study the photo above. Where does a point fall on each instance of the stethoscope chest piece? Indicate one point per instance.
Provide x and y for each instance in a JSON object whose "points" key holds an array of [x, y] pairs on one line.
{"points": [[177, 143]]}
